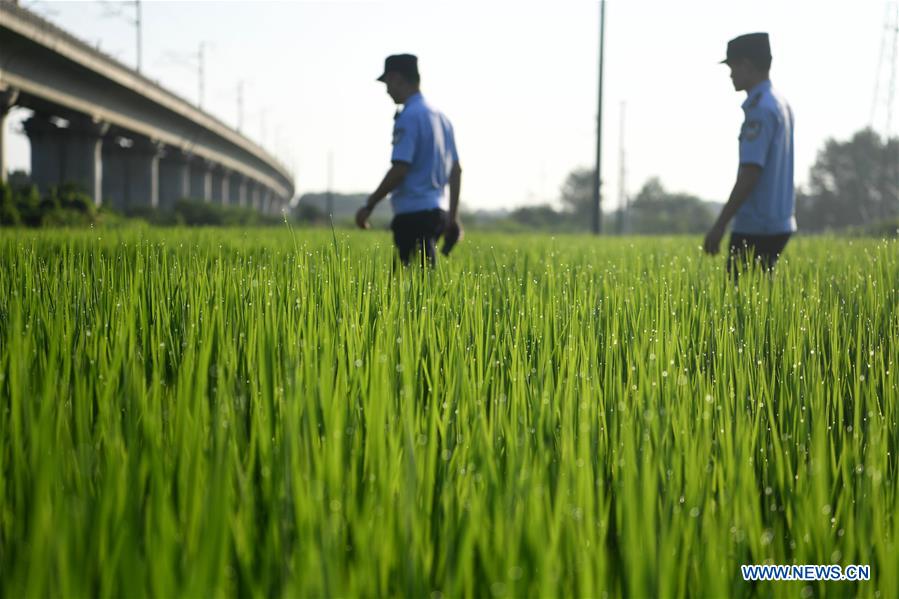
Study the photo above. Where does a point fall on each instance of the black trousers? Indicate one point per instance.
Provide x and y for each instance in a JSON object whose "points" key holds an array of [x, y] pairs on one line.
{"points": [[418, 231], [764, 249]]}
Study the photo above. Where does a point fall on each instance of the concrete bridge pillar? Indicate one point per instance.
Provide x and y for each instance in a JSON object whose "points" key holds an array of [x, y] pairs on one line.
{"points": [[131, 173], [70, 154], [255, 193], [8, 99], [200, 179], [239, 183], [83, 163], [143, 181], [45, 150], [115, 167], [220, 177], [174, 177], [263, 200], [226, 188]]}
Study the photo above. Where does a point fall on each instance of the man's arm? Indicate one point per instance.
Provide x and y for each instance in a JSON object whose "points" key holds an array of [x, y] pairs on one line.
{"points": [[455, 185], [747, 178], [391, 181]]}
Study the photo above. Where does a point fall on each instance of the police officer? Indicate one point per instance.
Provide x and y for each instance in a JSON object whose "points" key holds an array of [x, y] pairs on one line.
{"points": [[424, 161], [763, 198]]}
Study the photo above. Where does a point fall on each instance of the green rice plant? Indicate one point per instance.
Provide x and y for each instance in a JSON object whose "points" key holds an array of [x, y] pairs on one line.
{"points": [[257, 413]]}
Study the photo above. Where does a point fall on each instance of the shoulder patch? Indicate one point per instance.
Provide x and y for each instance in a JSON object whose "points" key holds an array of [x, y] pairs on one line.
{"points": [[750, 130]]}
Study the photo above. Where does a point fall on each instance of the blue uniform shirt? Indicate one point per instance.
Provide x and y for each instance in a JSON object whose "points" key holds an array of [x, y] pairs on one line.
{"points": [[766, 139], [423, 138]]}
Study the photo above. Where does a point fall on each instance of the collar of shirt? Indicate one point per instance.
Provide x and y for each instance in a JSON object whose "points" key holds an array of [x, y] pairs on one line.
{"points": [[413, 99], [753, 94]]}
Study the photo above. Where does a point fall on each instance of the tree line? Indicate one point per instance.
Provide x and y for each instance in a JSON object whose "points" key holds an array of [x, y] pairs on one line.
{"points": [[853, 185]]}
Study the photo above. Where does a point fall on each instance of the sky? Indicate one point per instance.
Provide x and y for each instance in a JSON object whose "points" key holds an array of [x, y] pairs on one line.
{"points": [[518, 79]]}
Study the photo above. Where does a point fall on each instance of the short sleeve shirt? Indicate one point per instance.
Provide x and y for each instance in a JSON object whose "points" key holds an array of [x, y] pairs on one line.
{"points": [[423, 138], [766, 140]]}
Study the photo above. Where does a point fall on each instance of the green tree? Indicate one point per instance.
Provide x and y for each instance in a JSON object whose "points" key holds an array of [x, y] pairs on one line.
{"points": [[577, 194], [542, 216], [852, 183], [9, 214], [658, 211]]}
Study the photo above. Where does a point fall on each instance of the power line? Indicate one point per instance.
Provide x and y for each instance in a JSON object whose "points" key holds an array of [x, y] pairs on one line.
{"points": [[194, 61], [136, 20]]}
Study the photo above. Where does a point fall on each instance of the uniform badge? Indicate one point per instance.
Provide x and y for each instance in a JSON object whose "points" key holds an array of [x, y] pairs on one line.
{"points": [[751, 130], [397, 136]]}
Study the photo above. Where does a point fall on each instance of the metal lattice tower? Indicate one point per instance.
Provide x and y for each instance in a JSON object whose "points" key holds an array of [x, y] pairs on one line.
{"points": [[886, 77], [882, 108]]}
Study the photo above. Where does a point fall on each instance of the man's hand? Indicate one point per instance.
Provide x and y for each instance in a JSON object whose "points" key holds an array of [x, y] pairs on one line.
{"points": [[362, 217], [452, 233], [713, 239], [747, 178]]}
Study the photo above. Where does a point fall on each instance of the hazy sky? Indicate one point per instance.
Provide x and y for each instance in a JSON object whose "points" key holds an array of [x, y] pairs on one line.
{"points": [[518, 79]]}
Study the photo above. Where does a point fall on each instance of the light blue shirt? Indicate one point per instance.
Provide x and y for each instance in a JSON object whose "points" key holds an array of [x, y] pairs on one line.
{"points": [[766, 139], [423, 138]]}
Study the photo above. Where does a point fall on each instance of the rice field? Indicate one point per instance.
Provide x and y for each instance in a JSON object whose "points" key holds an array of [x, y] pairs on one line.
{"points": [[258, 413]]}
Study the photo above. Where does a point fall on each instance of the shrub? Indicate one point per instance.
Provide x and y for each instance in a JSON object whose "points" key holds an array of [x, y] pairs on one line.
{"points": [[9, 214]]}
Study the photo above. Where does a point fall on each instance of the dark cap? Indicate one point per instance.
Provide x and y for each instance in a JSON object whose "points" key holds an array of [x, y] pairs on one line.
{"points": [[404, 64], [752, 46]]}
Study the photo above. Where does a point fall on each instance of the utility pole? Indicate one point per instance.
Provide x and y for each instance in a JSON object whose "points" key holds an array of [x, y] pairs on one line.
{"points": [[597, 173], [193, 61], [262, 126], [240, 106], [200, 73], [139, 28], [115, 11], [622, 175], [329, 196]]}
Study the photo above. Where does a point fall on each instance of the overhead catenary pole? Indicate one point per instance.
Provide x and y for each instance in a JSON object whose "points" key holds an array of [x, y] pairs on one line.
{"points": [[622, 175], [329, 196], [239, 106], [200, 74], [597, 173], [137, 26], [111, 9]]}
